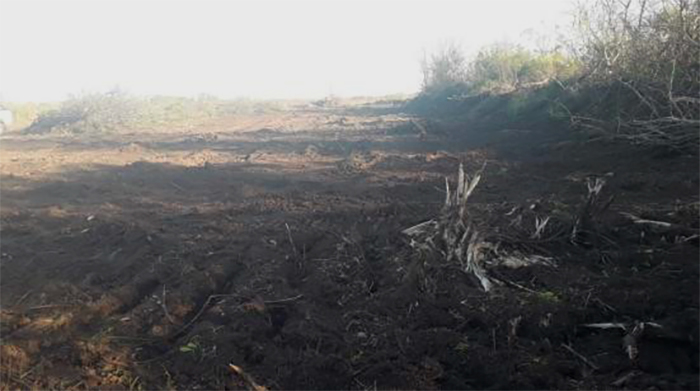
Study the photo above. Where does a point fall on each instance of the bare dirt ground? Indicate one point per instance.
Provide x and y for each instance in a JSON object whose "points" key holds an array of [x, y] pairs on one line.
{"points": [[153, 260]]}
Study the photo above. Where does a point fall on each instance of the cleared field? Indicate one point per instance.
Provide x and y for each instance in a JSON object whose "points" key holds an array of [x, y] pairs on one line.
{"points": [[274, 242]]}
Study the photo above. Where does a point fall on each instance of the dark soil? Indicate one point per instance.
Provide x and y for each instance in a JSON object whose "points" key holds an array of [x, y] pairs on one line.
{"points": [[154, 260]]}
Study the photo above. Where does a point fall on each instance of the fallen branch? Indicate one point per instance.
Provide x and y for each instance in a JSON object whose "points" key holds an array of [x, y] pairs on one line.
{"points": [[540, 225], [592, 208], [165, 307], [638, 220], [21, 299], [633, 333], [250, 382], [178, 187], [624, 379], [606, 326], [291, 241], [420, 229], [665, 226], [201, 311], [519, 286], [49, 306], [579, 356], [287, 300]]}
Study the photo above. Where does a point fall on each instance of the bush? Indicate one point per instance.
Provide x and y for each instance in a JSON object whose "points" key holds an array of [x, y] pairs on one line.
{"points": [[88, 113], [643, 58], [505, 68], [652, 49], [498, 69], [25, 113], [445, 70], [116, 110], [631, 66]]}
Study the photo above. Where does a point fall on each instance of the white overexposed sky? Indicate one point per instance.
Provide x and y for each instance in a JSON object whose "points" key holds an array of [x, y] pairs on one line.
{"points": [[257, 49]]}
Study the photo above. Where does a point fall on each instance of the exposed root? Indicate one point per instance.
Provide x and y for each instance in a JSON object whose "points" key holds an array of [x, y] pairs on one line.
{"points": [[459, 240]]}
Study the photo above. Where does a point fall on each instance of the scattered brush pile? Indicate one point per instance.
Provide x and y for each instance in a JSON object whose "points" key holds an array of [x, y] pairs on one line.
{"points": [[456, 238], [478, 242], [462, 238]]}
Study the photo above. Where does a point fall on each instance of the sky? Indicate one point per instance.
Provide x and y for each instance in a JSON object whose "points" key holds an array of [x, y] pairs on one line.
{"points": [[256, 49]]}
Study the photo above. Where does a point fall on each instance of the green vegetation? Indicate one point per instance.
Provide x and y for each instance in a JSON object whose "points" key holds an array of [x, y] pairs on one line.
{"points": [[25, 113], [463, 346], [495, 69], [506, 68], [191, 347], [549, 296], [630, 68], [115, 111], [446, 70]]}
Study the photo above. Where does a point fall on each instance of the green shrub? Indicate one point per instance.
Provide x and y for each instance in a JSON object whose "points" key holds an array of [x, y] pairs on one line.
{"points": [[651, 49], [116, 110], [504, 68], [88, 113], [495, 69], [25, 113], [446, 69]]}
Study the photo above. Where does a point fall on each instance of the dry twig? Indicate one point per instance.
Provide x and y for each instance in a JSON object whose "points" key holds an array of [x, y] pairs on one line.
{"points": [[286, 300], [638, 220], [579, 356], [165, 307], [250, 382], [291, 241]]}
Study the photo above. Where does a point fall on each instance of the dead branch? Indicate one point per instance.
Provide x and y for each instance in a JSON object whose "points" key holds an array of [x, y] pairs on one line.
{"points": [[638, 220], [605, 326], [579, 356], [201, 311], [686, 99], [421, 228], [664, 226], [21, 299], [176, 186], [641, 97], [287, 300], [49, 306], [540, 225], [250, 382], [593, 207], [624, 379], [291, 241], [165, 307]]}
